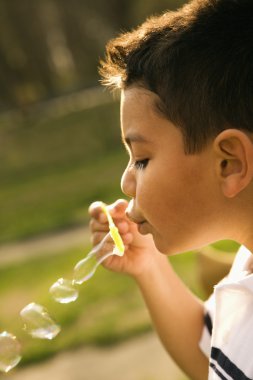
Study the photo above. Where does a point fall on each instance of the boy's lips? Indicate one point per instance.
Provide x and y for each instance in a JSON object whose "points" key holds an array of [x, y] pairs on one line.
{"points": [[143, 228], [141, 223], [134, 218]]}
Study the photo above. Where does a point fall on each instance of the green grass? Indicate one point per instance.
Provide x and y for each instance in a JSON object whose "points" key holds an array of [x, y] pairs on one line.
{"points": [[109, 307], [186, 265], [52, 170], [228, 246], [58, 200]]}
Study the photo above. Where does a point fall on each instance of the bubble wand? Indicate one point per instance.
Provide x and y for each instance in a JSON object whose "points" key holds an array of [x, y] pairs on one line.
{"points": [[86, 268], [114, 232]]}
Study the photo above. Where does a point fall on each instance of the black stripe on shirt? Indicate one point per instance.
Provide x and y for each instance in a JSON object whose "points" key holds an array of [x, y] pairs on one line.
{"points": [[221, 376], [208, 323], [227, 365]]}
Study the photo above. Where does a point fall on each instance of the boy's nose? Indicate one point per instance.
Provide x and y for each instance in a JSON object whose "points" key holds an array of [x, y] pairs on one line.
{"points": [[128, 183]]}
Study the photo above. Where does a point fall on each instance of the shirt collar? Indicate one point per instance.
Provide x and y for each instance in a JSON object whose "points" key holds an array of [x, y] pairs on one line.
{"points": [[240, 273]]}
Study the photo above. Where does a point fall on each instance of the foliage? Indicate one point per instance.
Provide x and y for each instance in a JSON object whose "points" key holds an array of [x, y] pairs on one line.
{"points": [[52, 47]]}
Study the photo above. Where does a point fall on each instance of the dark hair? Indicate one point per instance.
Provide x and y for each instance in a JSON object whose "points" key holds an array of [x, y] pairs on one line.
{"points": [[198, 60]]}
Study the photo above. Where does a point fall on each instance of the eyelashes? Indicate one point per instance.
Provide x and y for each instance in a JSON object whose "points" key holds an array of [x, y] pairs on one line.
{"points": [[141, 164]]}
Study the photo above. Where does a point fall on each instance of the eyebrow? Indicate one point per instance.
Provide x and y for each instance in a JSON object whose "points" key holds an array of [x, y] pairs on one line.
{"points": [[133, 138]]}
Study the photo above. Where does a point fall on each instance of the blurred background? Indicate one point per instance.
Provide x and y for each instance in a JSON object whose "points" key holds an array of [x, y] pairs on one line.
{"points": [[59, 151]]}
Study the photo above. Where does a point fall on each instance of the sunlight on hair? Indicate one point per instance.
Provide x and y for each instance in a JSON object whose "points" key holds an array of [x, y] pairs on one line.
{"points": [[113, 82]]}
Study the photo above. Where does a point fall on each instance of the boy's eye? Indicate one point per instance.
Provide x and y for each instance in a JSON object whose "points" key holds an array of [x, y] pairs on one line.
{"points": [[141, 164]]}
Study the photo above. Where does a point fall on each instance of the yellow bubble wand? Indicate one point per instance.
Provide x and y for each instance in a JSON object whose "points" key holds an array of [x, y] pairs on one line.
{"points": [[114, 232], [86, 267]]}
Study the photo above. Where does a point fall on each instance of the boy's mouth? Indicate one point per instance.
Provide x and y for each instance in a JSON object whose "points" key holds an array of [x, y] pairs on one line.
{"points": [[136, 217], [141, 223], [143, 228]]}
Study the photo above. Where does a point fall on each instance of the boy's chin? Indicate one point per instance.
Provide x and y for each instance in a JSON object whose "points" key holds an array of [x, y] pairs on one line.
{"points": [[168, 249], [162, 246]]}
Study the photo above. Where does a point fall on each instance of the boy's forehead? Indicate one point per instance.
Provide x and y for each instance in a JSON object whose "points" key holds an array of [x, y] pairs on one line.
{"points": [[142, 123], [138, 101], [137, 93]]}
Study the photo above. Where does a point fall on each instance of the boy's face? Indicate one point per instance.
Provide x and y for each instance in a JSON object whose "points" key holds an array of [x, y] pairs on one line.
{"points": [[174, 194]]}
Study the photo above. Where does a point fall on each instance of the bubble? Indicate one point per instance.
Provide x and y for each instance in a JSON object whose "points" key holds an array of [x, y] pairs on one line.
{"points": [[38, 323], [63, 291], [10, 350], [87, 267]]}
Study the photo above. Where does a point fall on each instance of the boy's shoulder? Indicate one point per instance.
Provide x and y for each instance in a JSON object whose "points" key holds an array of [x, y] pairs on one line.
{"points": [[228, 335]]}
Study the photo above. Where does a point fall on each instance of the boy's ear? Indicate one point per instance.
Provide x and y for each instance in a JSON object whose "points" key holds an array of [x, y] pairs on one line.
{"points": [[234, 160]]}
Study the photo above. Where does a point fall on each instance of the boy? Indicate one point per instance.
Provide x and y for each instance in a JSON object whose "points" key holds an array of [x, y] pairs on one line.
{"points": [[186, 81]]}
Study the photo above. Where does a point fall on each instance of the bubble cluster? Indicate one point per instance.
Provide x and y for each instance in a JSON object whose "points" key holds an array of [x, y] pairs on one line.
{"points": [[37, 321]]}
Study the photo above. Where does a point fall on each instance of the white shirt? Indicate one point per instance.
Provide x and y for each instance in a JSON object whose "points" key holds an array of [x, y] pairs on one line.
{"points": [[227, 337]]}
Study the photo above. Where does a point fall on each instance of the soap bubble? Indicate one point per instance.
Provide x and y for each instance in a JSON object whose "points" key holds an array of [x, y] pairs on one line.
{"points": [[63, 291], [38, 323], [10, 350], [87, 267]]}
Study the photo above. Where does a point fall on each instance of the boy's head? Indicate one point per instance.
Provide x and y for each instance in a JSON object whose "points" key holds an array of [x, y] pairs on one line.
{"points": [[187, 120], [198, 60]]}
